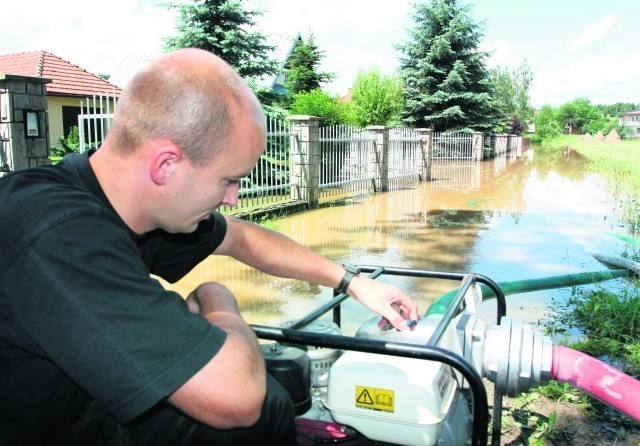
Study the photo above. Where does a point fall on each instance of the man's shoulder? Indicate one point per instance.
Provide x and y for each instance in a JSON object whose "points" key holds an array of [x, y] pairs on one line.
{"points": [[44, 200], [43, 190]]}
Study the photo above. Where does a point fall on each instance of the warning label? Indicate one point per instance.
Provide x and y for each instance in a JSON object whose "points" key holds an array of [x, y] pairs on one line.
{"points": [[375, 399]]}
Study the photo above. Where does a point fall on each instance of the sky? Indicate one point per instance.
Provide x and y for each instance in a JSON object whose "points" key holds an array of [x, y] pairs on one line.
{"points": [[574, 48]]}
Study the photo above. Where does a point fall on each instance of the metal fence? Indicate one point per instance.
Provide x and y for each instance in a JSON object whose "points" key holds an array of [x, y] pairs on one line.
{"points": [[453, 145], [404, 156], [94, 120], [269, 183], [346, 153], [343, 162]]}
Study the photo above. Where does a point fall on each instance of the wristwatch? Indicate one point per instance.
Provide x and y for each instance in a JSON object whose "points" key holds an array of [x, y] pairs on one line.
{"points": [[350, 272]]}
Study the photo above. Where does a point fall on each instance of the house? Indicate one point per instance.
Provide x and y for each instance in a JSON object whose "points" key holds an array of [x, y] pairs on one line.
{"points": [[283, 47], [70, 85], [631, 120]]}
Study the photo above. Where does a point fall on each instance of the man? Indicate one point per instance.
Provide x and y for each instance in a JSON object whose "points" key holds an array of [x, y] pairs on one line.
{"points": [[92, 349]]}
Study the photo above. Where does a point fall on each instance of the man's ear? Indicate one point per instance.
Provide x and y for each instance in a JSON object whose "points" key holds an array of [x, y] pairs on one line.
{"points": [[163, 162]]}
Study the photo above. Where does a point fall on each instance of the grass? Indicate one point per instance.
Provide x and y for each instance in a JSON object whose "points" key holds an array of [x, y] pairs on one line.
{"points": [[609, 320], [619, 162]]}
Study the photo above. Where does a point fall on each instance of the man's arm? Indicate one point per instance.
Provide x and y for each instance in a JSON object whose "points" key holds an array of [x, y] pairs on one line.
{"points": [[229, 390], [279, 255]]}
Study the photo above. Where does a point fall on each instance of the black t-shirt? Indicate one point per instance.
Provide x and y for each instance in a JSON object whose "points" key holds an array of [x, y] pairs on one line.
{"points": [[81, 320]]}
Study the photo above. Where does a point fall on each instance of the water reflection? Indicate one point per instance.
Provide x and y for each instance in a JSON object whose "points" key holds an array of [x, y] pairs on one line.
{"points": [[508, 218]]}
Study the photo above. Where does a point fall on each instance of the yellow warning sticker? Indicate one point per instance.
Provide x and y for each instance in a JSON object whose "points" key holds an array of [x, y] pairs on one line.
{"points": [[375, 399]]}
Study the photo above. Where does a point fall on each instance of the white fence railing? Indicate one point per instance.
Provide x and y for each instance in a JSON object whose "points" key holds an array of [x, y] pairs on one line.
{"points": [[453, 145], [269, 183], [347, 161], [404, 144], [94, 120], [343, 164]]}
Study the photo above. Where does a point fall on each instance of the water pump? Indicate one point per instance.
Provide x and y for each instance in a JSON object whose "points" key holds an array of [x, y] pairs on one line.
{"points": [[423, 386]]}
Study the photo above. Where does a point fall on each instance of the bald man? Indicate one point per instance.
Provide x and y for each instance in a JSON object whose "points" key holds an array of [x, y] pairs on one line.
{"points": [[92, 349]]}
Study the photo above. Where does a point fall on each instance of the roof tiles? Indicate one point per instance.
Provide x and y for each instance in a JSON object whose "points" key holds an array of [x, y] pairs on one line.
{"points": [[67, 79]]}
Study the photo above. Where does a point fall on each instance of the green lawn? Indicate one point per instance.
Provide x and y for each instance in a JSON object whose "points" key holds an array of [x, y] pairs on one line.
{"points": [[616, 160]]}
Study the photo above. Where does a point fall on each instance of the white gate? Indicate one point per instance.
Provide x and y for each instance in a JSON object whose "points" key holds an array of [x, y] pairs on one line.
{"points": [[94, 120]]}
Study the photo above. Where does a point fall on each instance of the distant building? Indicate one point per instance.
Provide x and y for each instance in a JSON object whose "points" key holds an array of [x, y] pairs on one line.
{"points": [[631, 120], [284, 46], [69, 85]]}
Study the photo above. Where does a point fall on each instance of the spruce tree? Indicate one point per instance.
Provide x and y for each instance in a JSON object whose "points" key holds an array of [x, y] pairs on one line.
{"points": [[445, 77], [301, 70], [223, 27]]}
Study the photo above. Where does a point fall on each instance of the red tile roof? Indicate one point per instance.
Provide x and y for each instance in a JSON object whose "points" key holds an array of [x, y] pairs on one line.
{"points": [[67, 79]]}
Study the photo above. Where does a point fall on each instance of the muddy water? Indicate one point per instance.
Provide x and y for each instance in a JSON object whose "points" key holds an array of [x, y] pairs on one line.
{"points": [[512, 218]]}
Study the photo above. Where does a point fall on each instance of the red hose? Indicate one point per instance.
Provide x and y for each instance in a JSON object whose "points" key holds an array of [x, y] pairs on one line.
{"points": [[597, 379]]}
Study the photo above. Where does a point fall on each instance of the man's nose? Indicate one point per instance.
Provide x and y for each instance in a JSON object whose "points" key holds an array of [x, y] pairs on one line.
{"points": [[231, 195]]}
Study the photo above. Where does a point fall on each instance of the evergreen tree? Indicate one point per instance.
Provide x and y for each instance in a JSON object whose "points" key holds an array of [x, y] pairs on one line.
{"points": [[446, 81], [301, 70], [223, 27]]}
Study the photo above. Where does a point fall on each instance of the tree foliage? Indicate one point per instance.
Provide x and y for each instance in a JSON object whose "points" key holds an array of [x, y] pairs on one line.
{"points": [[503, 95], [547, 127], [376, 99], [577, 114], [510, 98], [583, 116], [522, 79], [223, 27], [301, 71], [446, 81], [321, 104], [617, 109]]}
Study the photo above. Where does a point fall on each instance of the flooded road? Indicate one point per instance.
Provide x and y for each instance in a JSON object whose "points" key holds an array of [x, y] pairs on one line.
{"points": [[509, 219]]}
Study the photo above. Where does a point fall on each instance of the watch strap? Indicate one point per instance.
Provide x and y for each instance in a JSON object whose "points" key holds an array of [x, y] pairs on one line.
{"points": [[350, 273]]}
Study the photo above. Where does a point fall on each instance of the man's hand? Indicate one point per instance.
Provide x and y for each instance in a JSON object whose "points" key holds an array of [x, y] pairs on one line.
{"points": [[386, 300]]}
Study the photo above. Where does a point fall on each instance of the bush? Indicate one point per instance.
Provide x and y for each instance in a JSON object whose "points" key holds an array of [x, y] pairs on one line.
{"points": [[67, 145], [547, 127], [321, 104]]}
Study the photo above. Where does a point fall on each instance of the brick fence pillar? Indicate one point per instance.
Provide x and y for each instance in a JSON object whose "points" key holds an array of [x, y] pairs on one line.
{"points": [[24, 122]]}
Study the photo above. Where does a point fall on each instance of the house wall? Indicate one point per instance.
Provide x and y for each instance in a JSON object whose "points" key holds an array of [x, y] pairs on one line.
{"points": [[632, 122]]}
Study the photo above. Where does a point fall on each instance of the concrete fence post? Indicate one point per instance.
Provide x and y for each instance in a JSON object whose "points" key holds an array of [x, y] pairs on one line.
{"points": [[305, 159], [425, 147], [378, 161], [478, 146]]}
